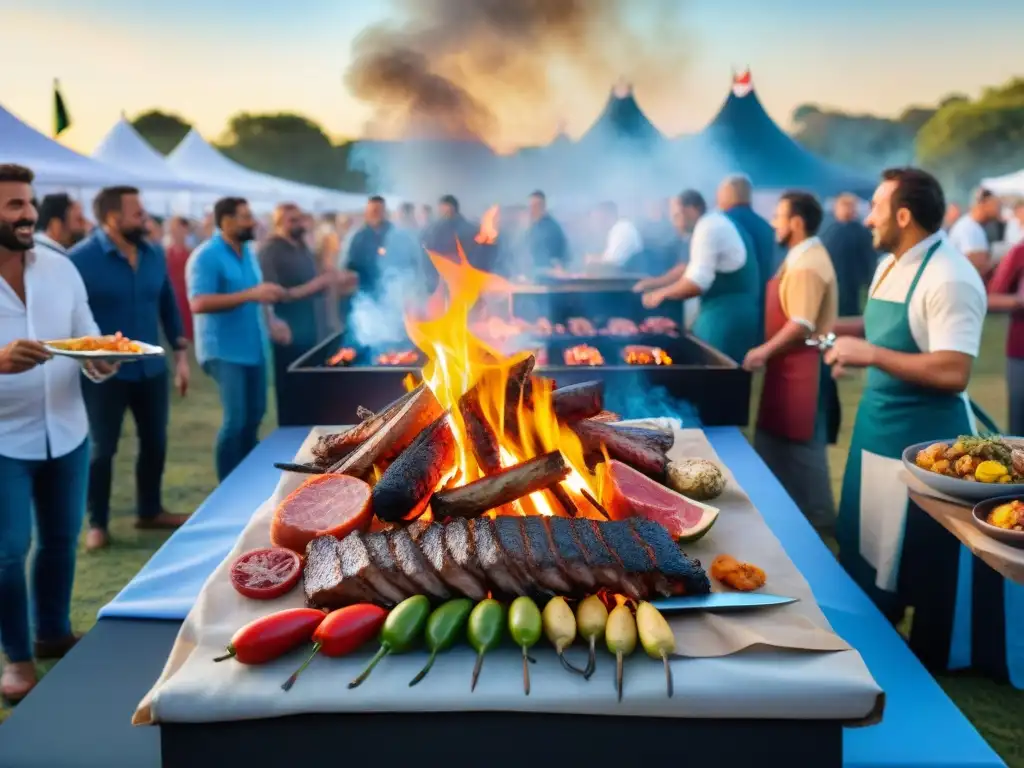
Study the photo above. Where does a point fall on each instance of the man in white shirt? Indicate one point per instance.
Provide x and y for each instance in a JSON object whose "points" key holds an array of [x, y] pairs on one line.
{"points": [[623, 241], [968, 234], [44, 448], [61, 223], [722, 274], [1015, 225]]}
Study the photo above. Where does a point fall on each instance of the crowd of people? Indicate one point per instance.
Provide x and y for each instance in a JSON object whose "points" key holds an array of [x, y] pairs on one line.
{"points": [[906, 300]]}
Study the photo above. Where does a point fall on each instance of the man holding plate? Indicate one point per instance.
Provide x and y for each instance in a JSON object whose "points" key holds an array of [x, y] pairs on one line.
{"points": [[918, 338], [44, 437]]}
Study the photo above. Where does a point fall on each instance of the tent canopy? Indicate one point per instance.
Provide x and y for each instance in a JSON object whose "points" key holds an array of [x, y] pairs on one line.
{"points": [[744, 139], [123, 147], [195, 159], [1010, 185], [54, 165], [622, 122]]}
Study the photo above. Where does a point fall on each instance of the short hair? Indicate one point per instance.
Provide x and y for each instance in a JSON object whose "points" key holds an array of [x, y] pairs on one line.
{"points": [[741, 186], [691, 198], [226, 206], [981, 195], [805, 206], [109, 200], [281, 210], [182, 221], [157, 219], [920, 193], [449, 200], [377, 199], [16, 174], [407, 209], [53, 207], [539, 195]]}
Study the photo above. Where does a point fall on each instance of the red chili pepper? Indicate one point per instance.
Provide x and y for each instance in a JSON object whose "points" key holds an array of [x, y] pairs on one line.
{"points": [[342, 632], [269, 637]]}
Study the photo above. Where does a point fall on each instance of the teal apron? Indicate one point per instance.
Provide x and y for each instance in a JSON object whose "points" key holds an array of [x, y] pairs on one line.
{"points": [[895, 551], [731, 312]]}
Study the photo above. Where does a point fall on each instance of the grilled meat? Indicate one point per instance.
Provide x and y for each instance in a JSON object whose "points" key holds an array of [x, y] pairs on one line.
{"points": [[508, 556]]}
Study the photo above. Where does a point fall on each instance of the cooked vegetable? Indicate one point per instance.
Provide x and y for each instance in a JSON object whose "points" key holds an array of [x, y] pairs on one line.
{"points": [[975, 459], [697, 479], [486, 626], [1009, 516], [270, 637], [525, 625], [743, 577], [342, 632], [620, 636], [402, 628], [560, 629], [591, 617], [444, 627], [989, 471], [656, 637], [265, 574]]}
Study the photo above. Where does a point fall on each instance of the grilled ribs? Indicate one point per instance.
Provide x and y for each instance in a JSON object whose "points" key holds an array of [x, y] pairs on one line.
{"points": [[507, 557]]}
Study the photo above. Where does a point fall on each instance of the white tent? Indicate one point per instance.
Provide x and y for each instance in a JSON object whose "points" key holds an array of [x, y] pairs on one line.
{"points": [[56, 167], [1012, 184], [195, 159]]}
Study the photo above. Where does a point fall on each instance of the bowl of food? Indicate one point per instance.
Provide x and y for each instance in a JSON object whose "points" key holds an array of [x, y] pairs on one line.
{"points": [[1002, 518], [969, 467]]}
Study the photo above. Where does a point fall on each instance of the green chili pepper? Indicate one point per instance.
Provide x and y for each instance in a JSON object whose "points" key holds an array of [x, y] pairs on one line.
{"points": [[525, 625], [444, 627], [486, 626], [401, 630]]}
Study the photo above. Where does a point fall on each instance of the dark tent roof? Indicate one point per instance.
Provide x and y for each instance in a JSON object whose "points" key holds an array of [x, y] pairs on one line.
{"points": [[622, 122], [746, 139]]}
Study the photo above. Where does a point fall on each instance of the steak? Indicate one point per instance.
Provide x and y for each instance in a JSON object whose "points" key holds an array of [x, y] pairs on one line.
{"points": [[323, 581], [432, 544], [493, 560], [380, 553], [545, 564], [415, 567], [569, 553]]}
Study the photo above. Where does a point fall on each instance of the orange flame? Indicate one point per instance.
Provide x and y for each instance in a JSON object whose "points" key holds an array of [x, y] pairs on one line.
{"points": [[488, 234], [458, 360]]}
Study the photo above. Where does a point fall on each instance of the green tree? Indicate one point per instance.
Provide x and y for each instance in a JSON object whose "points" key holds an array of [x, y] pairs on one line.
{"points": [[966, 141], [868, 142], [161, 129]]}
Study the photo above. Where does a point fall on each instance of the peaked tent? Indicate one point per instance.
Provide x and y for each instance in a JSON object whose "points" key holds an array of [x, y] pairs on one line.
{"points": [[195, 159], [744, 139], [622, 122], [1010, 185], [55, 166]]}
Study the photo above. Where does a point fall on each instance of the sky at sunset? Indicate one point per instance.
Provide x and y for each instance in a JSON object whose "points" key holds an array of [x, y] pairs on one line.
{"points": [[207, 60]]}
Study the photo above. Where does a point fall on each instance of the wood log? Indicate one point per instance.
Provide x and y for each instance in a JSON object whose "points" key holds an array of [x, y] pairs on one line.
{"points": [[578, 401], [405, 488], [396, 434], [364, 413], [607, 417], [483, 441], [330, 449], [502, 488], [652, 437], [641, 456]]}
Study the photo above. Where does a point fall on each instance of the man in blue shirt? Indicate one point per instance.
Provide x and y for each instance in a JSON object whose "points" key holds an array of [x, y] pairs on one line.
{"points": [[129, 291], [225, 291]]}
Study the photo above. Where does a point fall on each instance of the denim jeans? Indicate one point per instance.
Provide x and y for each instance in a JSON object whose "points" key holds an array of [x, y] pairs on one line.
{"points": [[149, 402], [56, 488], [243, 399], [1015, 391]]}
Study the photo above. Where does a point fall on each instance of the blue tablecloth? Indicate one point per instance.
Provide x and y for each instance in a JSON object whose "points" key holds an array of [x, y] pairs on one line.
{"points": [[921, 727]]}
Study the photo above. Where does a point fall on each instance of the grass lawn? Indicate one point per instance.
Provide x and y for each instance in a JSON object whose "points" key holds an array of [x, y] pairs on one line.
{"points": [[994, 709]]}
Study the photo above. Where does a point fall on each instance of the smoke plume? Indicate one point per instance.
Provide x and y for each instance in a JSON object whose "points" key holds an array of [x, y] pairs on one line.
{"points": [[500, 70]]}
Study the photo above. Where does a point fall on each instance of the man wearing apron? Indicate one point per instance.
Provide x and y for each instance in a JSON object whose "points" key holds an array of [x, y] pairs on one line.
{"points": [[724, 274], [801, 299], [921, 332]]}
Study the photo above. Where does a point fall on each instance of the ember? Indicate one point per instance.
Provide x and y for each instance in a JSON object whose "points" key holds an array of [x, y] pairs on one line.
{"points": [[637, 354], [583, 354], [405, 357], [343, 356]]}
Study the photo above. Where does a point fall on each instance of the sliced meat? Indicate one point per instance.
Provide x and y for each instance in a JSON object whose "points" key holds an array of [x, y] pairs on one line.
{"points": [[332, 505], [493, 560], [607, 568], [415, 567], [674, 572], [636, 563], [459, 547], [325, 583], [545, 564], [570, 554], [380, 553], [509, 533], [356, 564], [431, 543]]}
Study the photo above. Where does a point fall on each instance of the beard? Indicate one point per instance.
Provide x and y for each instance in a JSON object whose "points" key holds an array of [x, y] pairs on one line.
{"points": [[297, 233], [246, 234], [134, 235], [75, 237], [11, 240], [885, 241]]}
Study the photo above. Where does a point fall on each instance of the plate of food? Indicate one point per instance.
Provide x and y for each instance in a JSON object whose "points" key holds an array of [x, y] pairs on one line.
{"points": [[115, 348], [969, 467], [1001, 518]]}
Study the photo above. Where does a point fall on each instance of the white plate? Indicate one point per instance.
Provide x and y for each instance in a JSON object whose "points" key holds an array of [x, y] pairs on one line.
{"points": [[148, 350]]}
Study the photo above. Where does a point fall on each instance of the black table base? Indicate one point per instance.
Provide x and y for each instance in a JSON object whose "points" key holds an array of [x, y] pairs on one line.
{"points": [[79, 717]]}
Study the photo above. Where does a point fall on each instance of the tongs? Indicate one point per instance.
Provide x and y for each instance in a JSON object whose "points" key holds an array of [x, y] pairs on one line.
{"points": [[823, 343]]}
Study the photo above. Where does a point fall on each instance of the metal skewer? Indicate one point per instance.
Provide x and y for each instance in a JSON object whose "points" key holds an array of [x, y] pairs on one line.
{"points": [[823, 343]]}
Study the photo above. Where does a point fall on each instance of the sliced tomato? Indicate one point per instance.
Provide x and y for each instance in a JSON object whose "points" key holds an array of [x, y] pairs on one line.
{"points": [[264, 574]]}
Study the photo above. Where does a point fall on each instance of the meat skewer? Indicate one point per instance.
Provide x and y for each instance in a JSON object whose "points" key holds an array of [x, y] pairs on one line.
{"points": [[302, 469], [503, 487], [578, 401], [643, 457], [330, 449], [394, 436], [404, 489]]}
